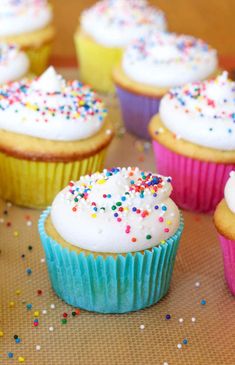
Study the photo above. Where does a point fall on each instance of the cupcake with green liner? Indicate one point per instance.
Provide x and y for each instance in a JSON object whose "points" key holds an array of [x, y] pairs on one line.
{"points": [[28, 24], [14, 64], [105, 30], [152, 65], [51, 131], [111, 239], [224, 220]]}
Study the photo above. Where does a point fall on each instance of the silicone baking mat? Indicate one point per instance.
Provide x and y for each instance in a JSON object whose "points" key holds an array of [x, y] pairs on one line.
{"points": [[193, 325]]}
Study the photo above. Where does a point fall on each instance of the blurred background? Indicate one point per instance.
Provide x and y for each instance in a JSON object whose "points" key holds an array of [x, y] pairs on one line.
{"points": [[211, 20]]}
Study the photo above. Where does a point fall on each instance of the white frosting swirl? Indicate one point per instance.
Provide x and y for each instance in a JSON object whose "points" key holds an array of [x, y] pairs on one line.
{"points": [[202, 113], [115, 23], [22, 16], [229, 192], [51, 108], [168, 60], [13, 63], [118, 211]]}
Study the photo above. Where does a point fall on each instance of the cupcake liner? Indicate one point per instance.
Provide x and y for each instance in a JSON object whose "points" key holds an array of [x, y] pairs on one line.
{"points": [[228, 251], [39, 58], [197, 185], [115, 284], [137, 110], [96, 62], [34, 183]]}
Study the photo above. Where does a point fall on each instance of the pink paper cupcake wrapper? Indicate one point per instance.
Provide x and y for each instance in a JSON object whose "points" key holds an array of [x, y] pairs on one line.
{"points": [[197, 185], [228, 250]]}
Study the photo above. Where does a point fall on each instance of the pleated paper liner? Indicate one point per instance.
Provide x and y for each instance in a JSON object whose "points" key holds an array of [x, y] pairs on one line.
{"points": [[113, 284], [96, 62], [137, 110], [39, 58], [228, 252], [197, 185], [35, 183]]}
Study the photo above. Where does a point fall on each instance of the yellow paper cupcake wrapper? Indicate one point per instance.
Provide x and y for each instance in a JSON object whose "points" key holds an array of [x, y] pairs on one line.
{"points": [[96, 62], [34, 184], [39, 58]]}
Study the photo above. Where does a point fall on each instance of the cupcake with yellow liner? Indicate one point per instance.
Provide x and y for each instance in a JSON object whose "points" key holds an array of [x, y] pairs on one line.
{"points": [[111, 239], [105, 30], [28, 24], [14, 64], [194, 140], [51, 131], [151, 66], [224, 220]]}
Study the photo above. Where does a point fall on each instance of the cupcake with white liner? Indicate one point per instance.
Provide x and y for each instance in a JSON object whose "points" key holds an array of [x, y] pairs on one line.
{"points": [[105, 30], [194, 140], [14, 64], [51, 131], [151, 66], [111, 240]]}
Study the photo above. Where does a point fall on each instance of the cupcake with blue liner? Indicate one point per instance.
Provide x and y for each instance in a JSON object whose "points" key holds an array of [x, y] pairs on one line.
{"points": [[111, 239], [105, 30], [151, 66], [14, 64]]}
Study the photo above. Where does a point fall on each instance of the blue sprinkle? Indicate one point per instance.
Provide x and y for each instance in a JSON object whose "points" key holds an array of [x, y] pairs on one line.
{"points": [[203, 302], [10, 355], [29, 306], [185, 341], [164, 208], [29, 271]]}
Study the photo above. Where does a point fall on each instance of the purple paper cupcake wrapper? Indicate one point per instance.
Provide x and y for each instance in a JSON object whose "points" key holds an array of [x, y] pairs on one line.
{"points": [[110, 284], [137, 110], [228, 251], [197, 185]]}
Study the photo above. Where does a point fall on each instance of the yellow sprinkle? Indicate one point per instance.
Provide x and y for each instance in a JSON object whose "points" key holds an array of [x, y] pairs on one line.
{"points": [[18, 292], [11, 304], [16, 234], [163, 242], [94, 215], [126, 209], [36, 314], [1, 333], [21, 359], [81, 102], [102, 181], [169, 223]]}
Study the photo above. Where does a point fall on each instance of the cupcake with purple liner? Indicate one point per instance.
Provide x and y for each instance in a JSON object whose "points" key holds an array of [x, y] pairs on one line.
{"points": [[224, 219], [151, 66], [111, 240], [194, 140], [14, 64]]}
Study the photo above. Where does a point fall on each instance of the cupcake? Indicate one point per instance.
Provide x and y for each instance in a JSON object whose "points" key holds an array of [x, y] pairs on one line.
{"points": [[28, 24], [105, 30], [151, 66], [14, 64], [111, 239], [194, 140], [224, 219], [51, 131]]}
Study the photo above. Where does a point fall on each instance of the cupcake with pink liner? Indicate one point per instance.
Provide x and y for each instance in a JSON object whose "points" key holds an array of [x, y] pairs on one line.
{"points": [[151, 66], [224, 219], [194, 139]]}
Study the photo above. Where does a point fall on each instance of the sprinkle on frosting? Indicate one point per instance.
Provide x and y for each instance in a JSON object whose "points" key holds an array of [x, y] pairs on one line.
{"points": [[108, 20], [51, 108], [167, 59], [125, 209], [13, 63], [202, 113]]}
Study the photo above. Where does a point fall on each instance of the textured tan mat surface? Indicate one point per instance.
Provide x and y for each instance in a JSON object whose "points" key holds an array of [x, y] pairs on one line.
{"points": [[115, 339]]}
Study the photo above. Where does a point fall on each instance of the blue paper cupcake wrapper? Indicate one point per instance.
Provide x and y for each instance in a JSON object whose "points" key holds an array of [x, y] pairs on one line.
{"points": [[113, 284]]}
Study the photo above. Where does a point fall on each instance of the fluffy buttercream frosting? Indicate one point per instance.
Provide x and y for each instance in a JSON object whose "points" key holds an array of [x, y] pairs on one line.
{"points": [[229, 192], [167, 59], [22, 16], [202, 113], [14, 64], [115, 23], [117, 211], [48, 107]]}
